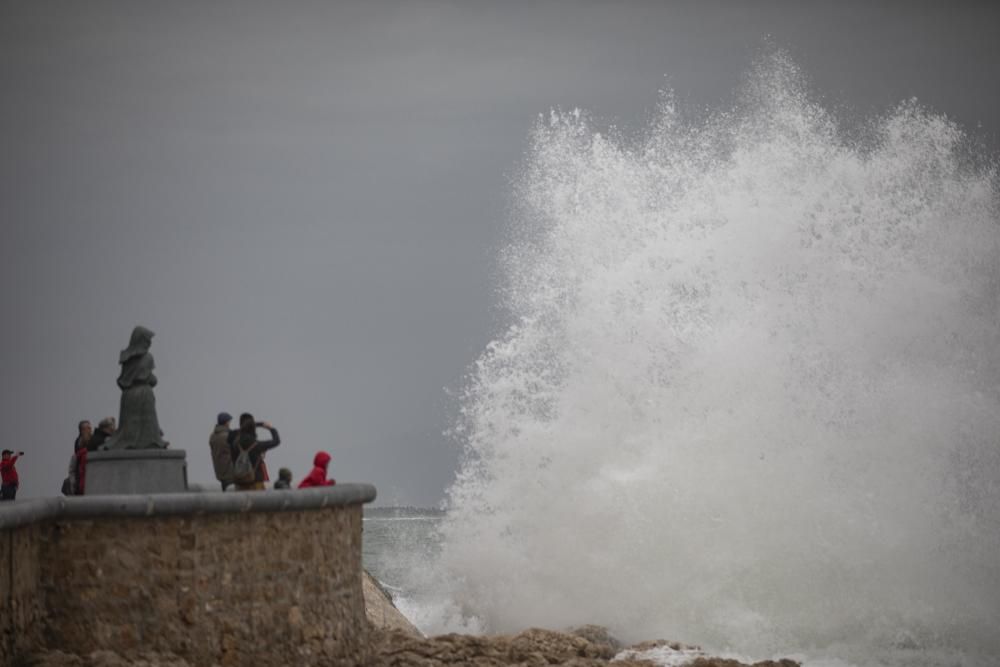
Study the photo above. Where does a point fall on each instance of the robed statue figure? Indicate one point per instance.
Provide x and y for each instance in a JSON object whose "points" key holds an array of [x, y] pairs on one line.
{"points": [[138, 427]]}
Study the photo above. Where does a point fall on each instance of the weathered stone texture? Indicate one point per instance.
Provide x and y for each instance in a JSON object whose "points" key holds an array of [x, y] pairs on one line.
{"points": [[260, 588], [21, 604], [380, 610], [228, 589]]}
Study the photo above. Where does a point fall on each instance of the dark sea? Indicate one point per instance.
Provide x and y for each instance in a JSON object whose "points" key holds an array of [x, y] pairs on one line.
{"points": [[395, 541]]}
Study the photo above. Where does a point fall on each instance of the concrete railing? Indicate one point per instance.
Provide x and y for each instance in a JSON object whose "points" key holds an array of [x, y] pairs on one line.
{"points": [[262, 578]]}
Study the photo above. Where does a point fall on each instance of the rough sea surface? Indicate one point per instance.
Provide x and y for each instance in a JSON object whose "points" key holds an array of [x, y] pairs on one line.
{"points": [[751, 395]]}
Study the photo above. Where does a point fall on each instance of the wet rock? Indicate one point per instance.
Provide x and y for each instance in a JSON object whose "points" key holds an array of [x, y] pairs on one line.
{"points": [[380, 610], [555, 647], [532, 648], [720, 662], [597, 634], [54, 659], [660, 643], [104, 659]]}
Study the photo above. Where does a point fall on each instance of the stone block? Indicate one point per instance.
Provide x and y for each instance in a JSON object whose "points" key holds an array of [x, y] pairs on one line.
{"points": [[136, 471]]}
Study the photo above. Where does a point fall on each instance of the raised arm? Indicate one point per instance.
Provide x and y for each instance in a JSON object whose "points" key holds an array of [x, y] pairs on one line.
{"points": [[273, 442]]}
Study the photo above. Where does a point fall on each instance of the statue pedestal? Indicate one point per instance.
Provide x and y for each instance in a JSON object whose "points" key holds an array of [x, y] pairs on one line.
{"points": [[136, 471]]}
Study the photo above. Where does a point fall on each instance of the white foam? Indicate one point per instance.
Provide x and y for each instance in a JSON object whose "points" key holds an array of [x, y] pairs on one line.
{"points": [[751, 396]]}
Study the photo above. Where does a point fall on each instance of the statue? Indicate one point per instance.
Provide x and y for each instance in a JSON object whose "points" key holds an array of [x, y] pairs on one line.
{"points": [[138, 427]]}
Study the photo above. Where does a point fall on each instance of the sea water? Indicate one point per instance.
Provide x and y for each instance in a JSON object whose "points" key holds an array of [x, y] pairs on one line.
{"points": [[750, 397]]}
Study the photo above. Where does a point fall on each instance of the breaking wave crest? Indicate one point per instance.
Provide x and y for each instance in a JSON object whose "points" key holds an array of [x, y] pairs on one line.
{"points": [[750, 397]]}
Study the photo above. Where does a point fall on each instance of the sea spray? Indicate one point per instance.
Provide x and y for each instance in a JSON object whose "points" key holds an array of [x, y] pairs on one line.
{"points": [[750, 396]]}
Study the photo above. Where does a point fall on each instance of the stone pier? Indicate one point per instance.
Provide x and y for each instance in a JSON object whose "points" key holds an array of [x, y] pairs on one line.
{"points": [[264, 578]]}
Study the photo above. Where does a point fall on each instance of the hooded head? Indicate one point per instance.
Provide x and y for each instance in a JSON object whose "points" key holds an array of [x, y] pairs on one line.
{"points": [[322, 460], [138, 345]]}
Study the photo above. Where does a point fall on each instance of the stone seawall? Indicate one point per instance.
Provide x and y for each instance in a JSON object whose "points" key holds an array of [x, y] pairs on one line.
{"points": [[269, 578], [21, 608]]}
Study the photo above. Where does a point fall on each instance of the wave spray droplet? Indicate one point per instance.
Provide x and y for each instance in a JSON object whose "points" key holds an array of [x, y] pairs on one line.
{"points": [[752, 395]]}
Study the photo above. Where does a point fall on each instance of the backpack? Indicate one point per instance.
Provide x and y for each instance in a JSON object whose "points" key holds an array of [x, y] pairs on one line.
{"points": [[69, 484], [244, 470]]}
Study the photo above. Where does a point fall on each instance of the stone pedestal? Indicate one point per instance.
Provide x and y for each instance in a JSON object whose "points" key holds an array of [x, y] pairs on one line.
{"points": [[136, 471]]}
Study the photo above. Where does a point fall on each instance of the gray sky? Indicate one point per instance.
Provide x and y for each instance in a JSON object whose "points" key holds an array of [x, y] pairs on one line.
{"points": [[304, 200]]}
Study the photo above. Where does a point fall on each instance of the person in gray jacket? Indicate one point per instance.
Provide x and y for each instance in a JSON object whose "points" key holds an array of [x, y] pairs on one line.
{"points": [[222, 458]]}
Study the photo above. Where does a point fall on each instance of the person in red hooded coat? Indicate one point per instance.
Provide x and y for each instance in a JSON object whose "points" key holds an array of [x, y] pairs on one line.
{"points": [[317, 476]]}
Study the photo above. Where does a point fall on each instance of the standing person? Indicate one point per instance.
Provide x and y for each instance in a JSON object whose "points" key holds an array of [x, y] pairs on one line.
{"points": [[317, 476], [77, 479], [78, 468], [105, 429], [9, 482], [84, 433], [248, 453], [218, 443]]}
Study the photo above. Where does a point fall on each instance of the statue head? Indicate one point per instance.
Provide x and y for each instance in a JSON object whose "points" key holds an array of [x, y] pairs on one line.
{"points": [[138, 344]]}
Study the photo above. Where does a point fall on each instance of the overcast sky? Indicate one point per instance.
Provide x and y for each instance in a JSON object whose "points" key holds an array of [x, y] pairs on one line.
{"points": [[305, 200]]}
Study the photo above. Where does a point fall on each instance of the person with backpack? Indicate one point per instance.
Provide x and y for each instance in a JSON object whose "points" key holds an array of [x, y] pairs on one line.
{"points": [[248, 453]]}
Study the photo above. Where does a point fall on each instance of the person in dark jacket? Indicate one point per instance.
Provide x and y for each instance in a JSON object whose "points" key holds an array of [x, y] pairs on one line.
{"points": [[284, 479], [105, 429], [218, 443], [9, 482], [317, 476], [245, 439], [78, 462]]}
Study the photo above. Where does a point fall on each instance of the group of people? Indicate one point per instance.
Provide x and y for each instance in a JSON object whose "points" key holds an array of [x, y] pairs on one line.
{"points": [[87, 440], [239, 457]]}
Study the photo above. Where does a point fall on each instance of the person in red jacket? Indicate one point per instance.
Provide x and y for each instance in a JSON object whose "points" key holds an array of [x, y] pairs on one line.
{"points": [[317, 476], [9, 482]]}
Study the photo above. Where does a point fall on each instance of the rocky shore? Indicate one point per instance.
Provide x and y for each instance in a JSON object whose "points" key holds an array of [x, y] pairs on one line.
{"points": [[531, 648], [589, 646], [395, 642]]}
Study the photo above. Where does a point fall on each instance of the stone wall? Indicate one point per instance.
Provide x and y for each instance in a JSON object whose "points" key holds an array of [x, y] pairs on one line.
{"points": [[269, 578], [21, 600], [380, 610]]}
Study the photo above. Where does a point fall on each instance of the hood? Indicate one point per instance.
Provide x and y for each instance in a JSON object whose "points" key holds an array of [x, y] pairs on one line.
{"points": [[138, 344], [322, 460]]}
